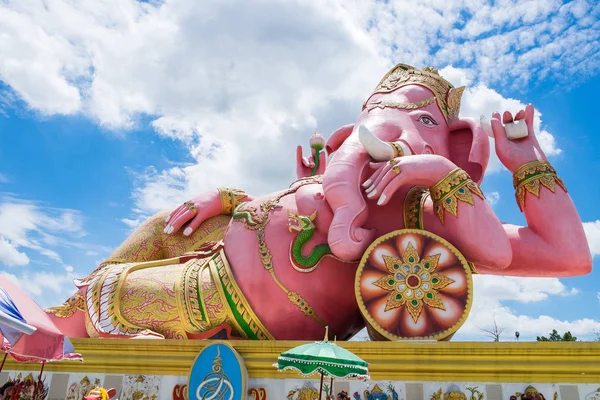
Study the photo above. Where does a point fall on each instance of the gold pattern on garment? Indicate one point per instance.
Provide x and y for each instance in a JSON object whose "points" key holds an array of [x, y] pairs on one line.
{"points": [[398, 104], [147, 297], [447, 96], [230, 199], [531, 176], [455, 186], [398, 152], [69, 307], [165, 297], [258, 223], [149, 242], [240, 314]]}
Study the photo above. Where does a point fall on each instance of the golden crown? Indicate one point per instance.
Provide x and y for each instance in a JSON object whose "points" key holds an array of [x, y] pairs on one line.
{"points": [[447, 96]]}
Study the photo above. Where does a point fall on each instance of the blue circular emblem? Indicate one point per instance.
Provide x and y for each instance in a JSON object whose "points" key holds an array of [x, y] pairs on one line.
{"points": [[218, 373]]}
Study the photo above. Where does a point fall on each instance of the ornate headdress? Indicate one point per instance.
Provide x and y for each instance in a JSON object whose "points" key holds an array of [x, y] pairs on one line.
{"points": [[447, 96]]}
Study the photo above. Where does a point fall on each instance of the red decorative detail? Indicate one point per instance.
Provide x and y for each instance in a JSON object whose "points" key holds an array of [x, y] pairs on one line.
{"points": [[258, 394], [179, 392], [413, 281]]}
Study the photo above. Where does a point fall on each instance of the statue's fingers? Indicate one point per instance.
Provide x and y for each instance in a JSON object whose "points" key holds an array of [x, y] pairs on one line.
{"points": [[308, 162], [507, 117], [181, 219], [529, 114], [322, 163], [377, 166], [498, 128], [195, 222], [384, 184], [520, 115], [173, 216], [376, 179], [396, 180], [299, 156]]}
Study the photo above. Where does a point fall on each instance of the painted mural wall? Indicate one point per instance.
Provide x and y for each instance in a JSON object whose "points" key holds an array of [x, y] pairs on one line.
{"points": [[63, 386]]}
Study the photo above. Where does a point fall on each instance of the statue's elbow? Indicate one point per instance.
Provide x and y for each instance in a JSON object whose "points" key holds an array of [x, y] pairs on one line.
{"points": [[583, 265], [500, 255]]}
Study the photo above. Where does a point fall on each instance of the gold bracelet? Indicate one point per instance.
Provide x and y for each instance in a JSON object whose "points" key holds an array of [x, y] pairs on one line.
{"points": [[455, 186], [230, 199], [529, 177]]}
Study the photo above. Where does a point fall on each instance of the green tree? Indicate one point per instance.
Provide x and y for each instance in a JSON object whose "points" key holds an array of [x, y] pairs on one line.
{"points": [[556, 337]]}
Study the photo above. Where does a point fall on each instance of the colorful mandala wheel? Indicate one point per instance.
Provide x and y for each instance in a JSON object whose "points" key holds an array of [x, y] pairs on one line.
{"points": [[412, 284]]}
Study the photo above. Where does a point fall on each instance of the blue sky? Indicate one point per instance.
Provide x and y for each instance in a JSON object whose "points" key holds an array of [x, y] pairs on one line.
{"points": [[108, 116]]}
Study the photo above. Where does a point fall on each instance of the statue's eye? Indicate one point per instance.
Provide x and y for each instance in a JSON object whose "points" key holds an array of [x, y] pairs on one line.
{"points": [[427, 120]]}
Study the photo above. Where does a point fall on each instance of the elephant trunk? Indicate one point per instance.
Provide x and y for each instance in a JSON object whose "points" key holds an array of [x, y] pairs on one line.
{"points": [[347, 238]]}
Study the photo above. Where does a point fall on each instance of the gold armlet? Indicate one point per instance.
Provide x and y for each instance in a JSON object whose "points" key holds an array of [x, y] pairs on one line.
{"points": [[455, 186], [530, 176], [230, 199]]}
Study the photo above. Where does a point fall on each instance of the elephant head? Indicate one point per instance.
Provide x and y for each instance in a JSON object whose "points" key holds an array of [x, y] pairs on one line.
{"points": [[410, 112]]}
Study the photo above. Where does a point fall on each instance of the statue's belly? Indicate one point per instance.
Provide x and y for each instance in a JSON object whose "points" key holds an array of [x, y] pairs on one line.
{"points": [[291, 304]]}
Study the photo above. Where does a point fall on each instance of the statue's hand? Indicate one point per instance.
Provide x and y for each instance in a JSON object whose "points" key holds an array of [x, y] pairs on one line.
{"points": [[414, 170], [514, 152], [194, 211], [306, 165]]}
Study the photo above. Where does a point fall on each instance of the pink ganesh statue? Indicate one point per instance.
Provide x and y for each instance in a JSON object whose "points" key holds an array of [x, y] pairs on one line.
{"points": [[384, 228]]}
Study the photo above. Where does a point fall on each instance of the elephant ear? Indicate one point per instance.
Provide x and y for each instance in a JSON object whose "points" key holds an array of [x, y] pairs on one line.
{"points": [[337, 138], [469, 147]]}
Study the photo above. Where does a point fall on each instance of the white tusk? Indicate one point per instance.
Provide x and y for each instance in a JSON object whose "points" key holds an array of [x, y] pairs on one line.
{"points": [[516, 130], [377, 148]]}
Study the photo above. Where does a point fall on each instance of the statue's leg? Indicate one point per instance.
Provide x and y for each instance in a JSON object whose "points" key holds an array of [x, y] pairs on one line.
{"points": [[147, 243], [171, 298]]}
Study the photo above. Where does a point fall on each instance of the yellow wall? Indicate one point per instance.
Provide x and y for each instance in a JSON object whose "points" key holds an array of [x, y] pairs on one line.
{"points": [[572, 362]]}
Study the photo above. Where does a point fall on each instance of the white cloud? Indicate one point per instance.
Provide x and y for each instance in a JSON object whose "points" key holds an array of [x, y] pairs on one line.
{"points": [[592, 232], [28, 225], [491, 291], [46, 288], [10, 256], [492, 198], [4, 178], [509, 43]]}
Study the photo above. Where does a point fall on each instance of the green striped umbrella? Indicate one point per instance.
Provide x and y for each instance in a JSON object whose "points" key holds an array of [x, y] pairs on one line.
{"points": [[325, 358]]}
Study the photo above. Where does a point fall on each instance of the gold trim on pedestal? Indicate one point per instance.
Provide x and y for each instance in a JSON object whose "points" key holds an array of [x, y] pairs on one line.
{"points": [[560, 362]]}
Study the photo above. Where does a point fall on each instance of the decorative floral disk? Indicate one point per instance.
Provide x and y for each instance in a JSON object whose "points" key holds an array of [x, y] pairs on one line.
{"points": [[413, 282]]}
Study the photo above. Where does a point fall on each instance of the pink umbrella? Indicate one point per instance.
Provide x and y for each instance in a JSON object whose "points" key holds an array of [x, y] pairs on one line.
{"points": [[27, 333], [46, 343]]}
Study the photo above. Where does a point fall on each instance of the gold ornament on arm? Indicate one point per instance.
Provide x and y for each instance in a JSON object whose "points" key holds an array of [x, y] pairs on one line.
{"points": [[230, 199], [455, 186], [531, 176]]}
